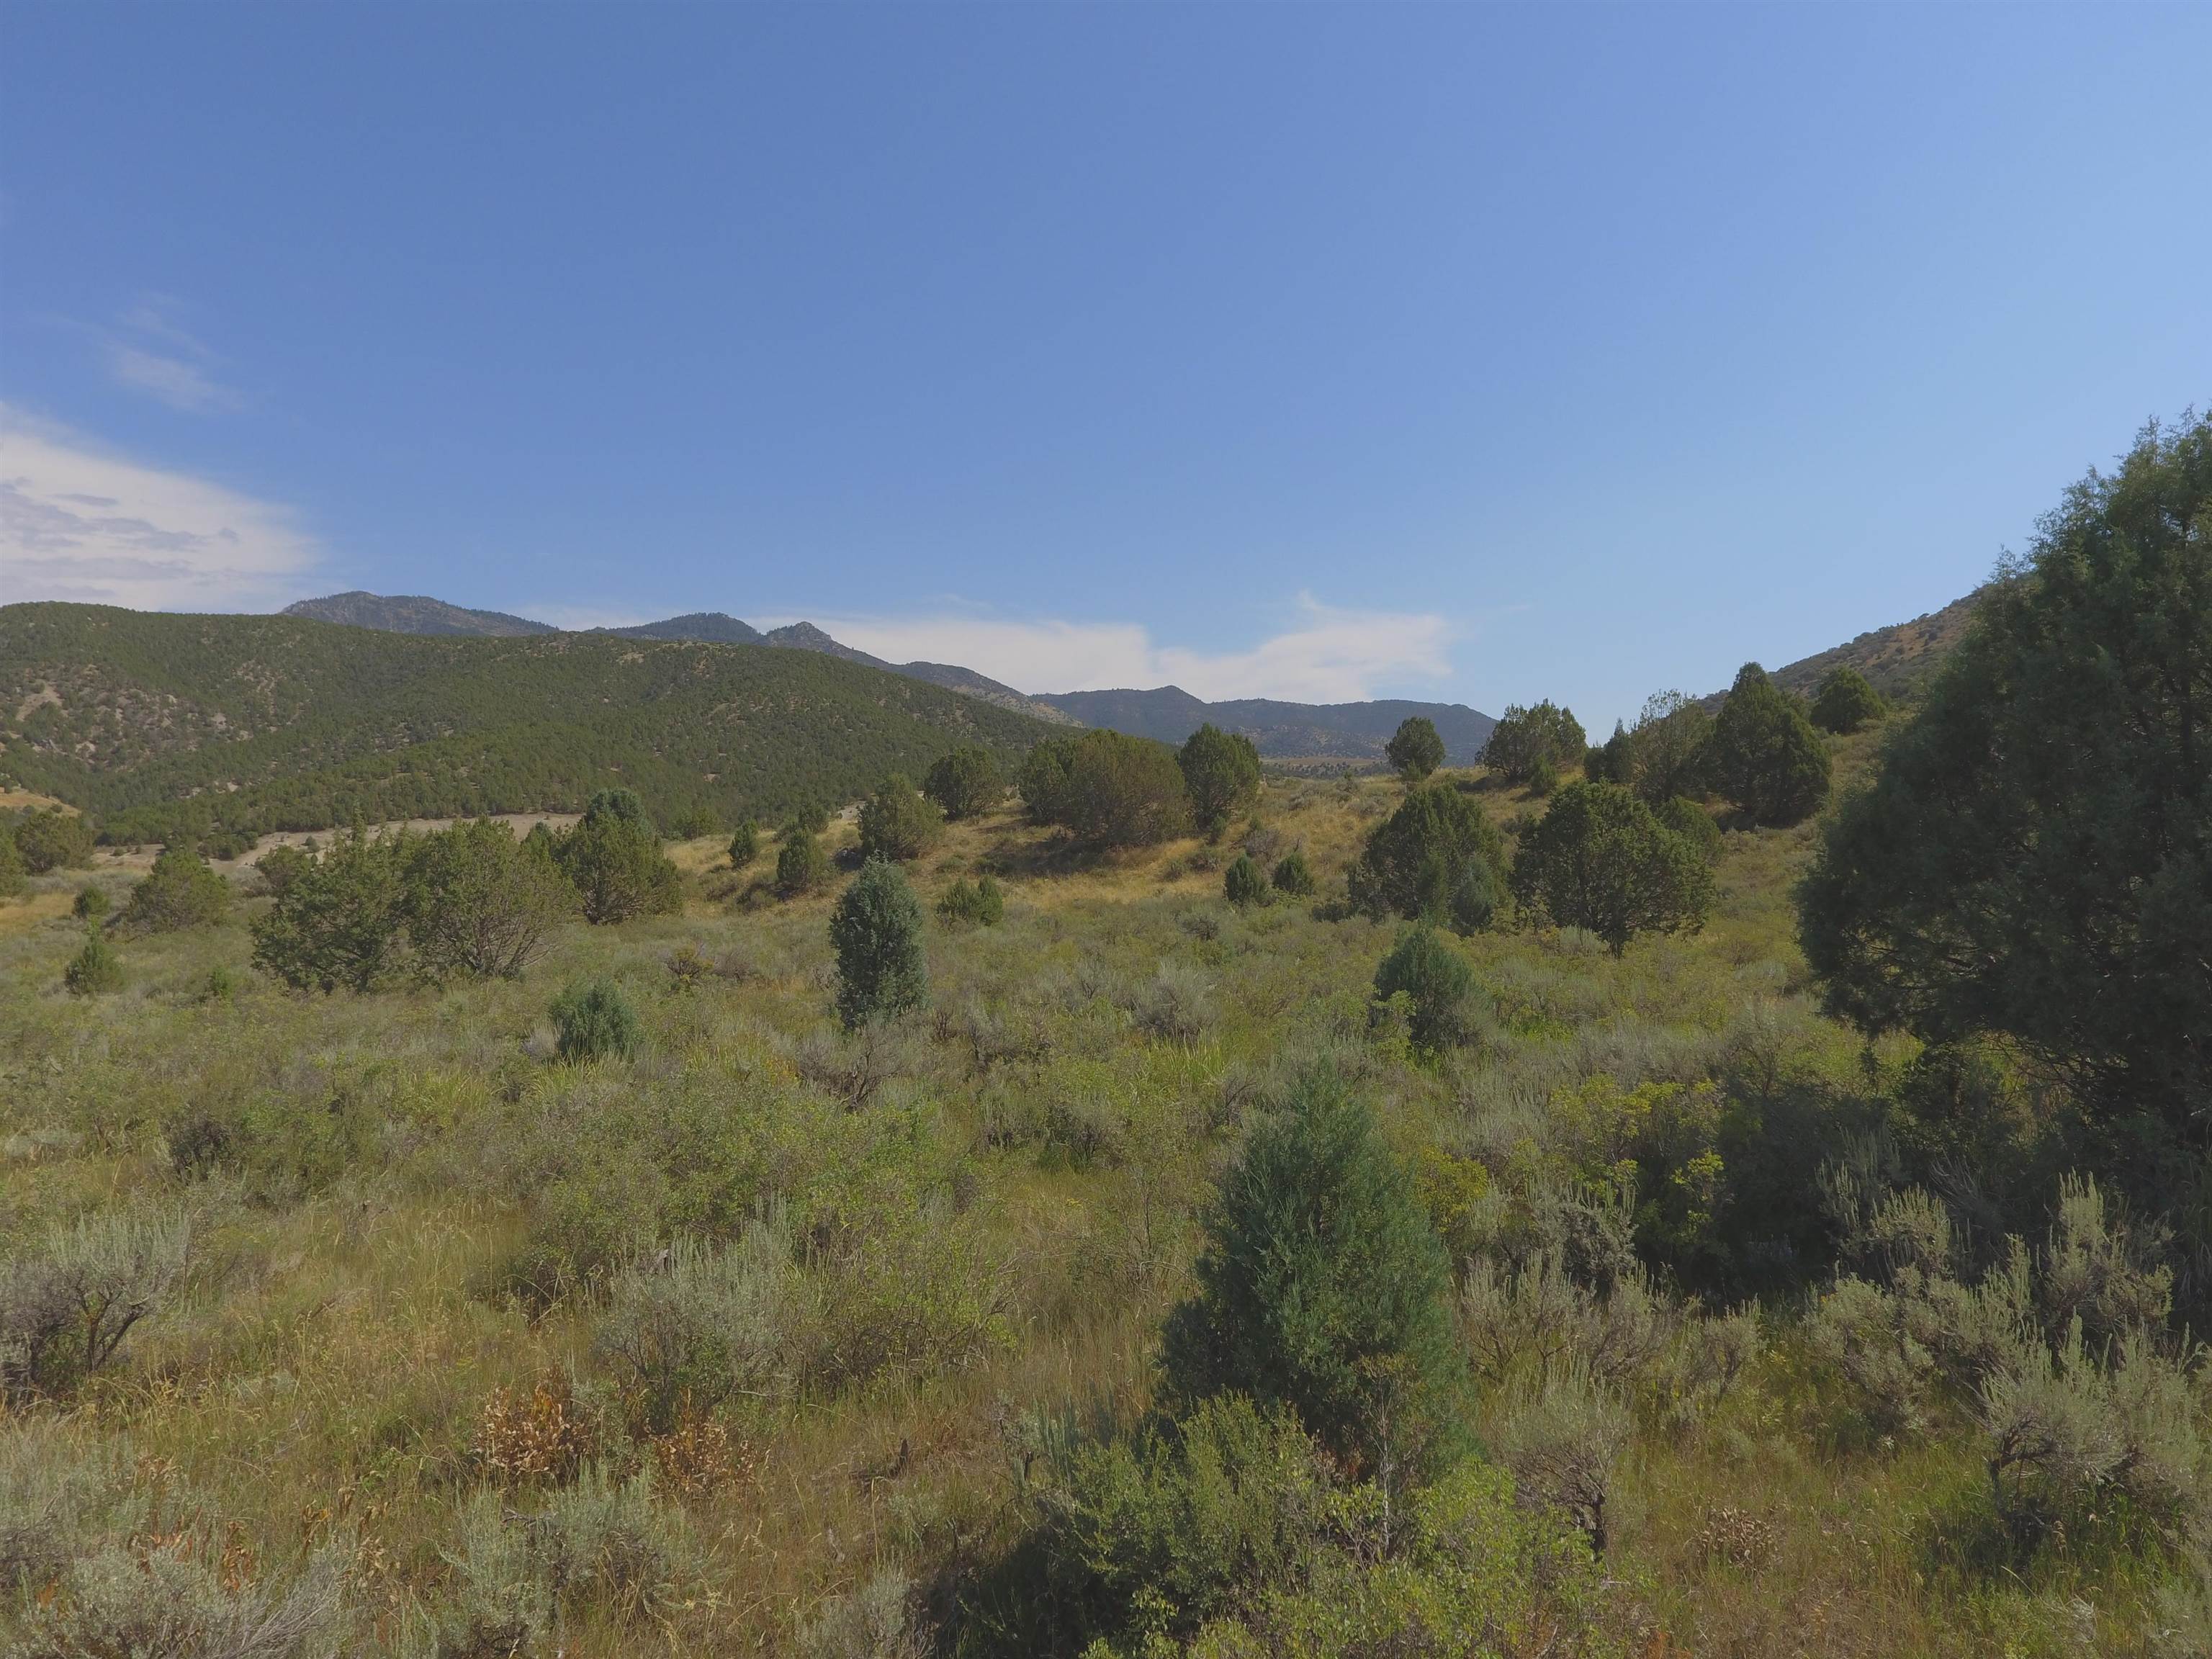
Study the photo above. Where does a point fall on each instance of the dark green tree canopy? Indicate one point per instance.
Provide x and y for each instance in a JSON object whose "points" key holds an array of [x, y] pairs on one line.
{"points": [[1220, 773], [1846, 702], [1244, 882], [801, 865], [179, 891], [339, 921], [479, 904], [1435, 981], [1322, 1286], [51, 839], [1527, 738], [1600, 859], [1418, 862], [966, 783], [896, 822], [2034, 856], [1293, 876], [744, 844], [1666, 748], [1764, 754], [613, 856], [875, 931], [1110, 788], [1415, 748]]}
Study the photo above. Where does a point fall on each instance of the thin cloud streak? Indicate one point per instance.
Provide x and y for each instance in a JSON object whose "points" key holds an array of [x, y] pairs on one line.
{"points": [[77, 523], [1331, 655], [180, 384]]}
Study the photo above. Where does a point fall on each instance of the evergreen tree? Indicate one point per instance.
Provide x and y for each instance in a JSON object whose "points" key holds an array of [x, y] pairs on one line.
{"points": [[342, 921], [96, 970], [51, 839], [1322, 1288], [2035, 855], [179, 891], [1294, 876], [1111, 789], [613, 858], [801, 865], [12, 873], [1599, 859], [479, 905], [593, 1021], [744, 845], [897, 824], [1220, 773], [1426, 853], [1436, 982], [1415, 748], [875, 931], [966, 783], [1667, 748], [90, 904], [1764, 754], [1846, 702], [1244, 883], [1525, 739]]}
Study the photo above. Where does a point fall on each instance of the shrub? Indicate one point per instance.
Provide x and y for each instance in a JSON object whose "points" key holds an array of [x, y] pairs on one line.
{"points": [[878, 1621], [66, 1308], [744, 845], [696, 822], [593, 1021], [697, 1325], [1293, 877], [341, 920], [12, 873], [1243, 882], [1220, 773], [1563, 1443], [801, 865], [1418, 862], [1599, 859], [1525, 737], [1663, 756], [478, 905], [96, 970], [981, 902], [1764, 754], [897, 824], [1110, 789], [1436, 982], [965, 783], [875, 931], [1845, 702], [1322, 1287], [91, 903], [1174, 1005], [173, 1596], [51, 839], [1543, 775], [179, 891], [1694, 824], [1415, 748], [612, 855]]}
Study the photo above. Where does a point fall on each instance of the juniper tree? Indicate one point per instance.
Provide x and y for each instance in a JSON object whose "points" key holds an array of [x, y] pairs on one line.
{"points": [[875, 931]]}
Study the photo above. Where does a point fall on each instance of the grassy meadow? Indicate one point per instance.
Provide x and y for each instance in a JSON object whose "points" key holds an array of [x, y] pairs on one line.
{"points": [[394, 1332]]}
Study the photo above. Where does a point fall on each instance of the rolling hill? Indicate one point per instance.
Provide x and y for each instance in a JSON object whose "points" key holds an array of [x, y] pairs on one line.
{"points": [[1351, 730], [413, 613], [168, 725], [1899, 660]]}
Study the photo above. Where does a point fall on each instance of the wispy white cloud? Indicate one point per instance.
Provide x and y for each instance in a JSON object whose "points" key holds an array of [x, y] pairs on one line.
{"points": [[1329, 654], [149, 351], [78, 522]]}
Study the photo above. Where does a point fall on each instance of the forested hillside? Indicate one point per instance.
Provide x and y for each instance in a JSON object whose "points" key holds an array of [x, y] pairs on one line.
{"points": [[169, 724]]}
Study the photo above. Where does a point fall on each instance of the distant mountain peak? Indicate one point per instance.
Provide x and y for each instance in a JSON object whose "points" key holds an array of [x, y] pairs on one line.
{"points": [[715, 627], [412, 613]]}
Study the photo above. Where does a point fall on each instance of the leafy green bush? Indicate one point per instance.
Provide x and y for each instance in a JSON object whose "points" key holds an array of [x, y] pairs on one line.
{"points": [[744, 844], [697, 1325], [1417, 862], [1321, 1286], [801, 865], [51, 839], [1293, 875], [965, 783], [875, 931], [1525, 738], [1415, 748], [897, 824], [96, 969], [1599, 859], [1243, 882], [1695, 825], [478, 904], [1220, 773], [1845, 702], [179, 891], [612, 855], [981, 902], [340, 920], [593, 1021], [1764, 754], [91, 903], [1436, 982]]}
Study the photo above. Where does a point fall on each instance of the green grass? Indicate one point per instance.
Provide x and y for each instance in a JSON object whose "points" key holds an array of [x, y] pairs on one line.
{"points": [[325, 1370]]}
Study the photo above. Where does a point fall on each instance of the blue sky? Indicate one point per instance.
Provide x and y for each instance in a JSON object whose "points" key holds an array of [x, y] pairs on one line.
{"points": [[1481, 354]]}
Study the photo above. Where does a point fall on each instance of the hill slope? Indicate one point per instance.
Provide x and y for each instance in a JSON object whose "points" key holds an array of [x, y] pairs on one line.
{"points": [[165, 725], [1353, 731], [1899, 659], [413, 613], [709, 626]]}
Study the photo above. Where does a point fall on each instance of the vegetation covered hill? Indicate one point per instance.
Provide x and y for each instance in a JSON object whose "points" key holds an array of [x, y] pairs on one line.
{"points": [[168, 725], [413, 613], [1899, 660], [1279, 730]]}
